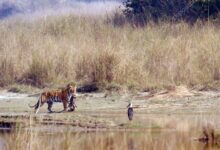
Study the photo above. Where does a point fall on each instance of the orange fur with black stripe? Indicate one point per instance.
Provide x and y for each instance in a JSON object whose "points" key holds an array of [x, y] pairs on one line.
{"points": [[62, 95]]}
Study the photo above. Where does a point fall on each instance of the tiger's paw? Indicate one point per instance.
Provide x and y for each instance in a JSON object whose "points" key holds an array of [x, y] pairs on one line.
{"points": [[51, 111], [71, 109]]}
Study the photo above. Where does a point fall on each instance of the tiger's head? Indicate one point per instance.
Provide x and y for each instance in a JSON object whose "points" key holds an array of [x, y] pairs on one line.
{"points": [[71, 88]]}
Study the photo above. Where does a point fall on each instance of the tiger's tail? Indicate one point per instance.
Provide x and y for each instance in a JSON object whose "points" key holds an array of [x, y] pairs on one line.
{"points": [[38, 105], [32, 106]]}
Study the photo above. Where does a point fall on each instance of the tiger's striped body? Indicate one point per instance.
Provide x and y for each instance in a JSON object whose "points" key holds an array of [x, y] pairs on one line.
{"points": [[65, 95]]}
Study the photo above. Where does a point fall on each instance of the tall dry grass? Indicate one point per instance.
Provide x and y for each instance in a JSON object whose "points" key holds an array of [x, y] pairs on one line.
{"points": [[59, 49]]}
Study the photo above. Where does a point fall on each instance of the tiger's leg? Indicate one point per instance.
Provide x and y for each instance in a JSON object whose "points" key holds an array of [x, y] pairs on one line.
{"points": [[72, 104], [65, 105], [50, 104]]}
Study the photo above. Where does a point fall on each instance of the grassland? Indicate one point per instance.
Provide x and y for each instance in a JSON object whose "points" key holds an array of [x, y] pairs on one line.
{"points": [[56, 50]]}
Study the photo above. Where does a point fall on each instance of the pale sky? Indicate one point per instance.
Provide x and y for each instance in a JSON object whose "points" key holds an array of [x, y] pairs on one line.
{"points": [[10, 8]]}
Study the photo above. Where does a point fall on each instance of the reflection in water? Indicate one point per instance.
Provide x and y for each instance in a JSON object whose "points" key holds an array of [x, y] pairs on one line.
{"points": [[130, 144], [210, 138], [208, 146], [2, 143], [149, 132], [101, 140]]}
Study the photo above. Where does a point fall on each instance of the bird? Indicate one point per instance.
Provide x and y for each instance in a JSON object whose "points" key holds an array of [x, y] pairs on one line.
{"points": [[130, 111]]}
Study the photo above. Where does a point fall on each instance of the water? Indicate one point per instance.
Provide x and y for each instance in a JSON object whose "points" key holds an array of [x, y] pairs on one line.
{"points": [[149, 131], [161, 140]]}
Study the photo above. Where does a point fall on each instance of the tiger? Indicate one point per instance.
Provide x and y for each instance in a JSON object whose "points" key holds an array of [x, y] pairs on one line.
{"points": [[65, 95]]}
